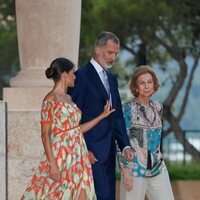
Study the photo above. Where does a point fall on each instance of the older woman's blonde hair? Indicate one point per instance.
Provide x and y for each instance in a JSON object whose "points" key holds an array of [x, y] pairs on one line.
{"points": [[144, 69]]}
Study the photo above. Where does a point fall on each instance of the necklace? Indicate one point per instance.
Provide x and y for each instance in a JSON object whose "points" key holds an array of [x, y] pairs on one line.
{"points": [[142, 109]]}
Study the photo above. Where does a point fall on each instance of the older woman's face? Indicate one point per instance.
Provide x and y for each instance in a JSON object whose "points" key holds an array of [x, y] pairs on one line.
{"points": [[145, 85]]}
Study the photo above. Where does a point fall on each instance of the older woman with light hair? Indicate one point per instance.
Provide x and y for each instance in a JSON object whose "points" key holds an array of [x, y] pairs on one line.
{"points": [[146, 174]]}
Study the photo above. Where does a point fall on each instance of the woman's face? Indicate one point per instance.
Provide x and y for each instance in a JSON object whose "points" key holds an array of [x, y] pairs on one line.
{"points": [[70, 78], [145, 85]]}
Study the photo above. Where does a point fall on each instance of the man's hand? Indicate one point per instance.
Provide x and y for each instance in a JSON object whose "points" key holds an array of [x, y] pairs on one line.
{"points": [[92, 158], [129, 154]]}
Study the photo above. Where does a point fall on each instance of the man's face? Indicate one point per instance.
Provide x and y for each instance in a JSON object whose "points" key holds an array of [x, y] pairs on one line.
{"points": [[107, 54]]}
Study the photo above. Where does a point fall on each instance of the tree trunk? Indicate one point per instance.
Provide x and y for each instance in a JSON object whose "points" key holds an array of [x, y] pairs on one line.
{"points": [[179, 133]]}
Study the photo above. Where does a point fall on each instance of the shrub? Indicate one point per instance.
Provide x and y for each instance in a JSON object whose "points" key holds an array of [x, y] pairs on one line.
{"points": [[179, 171]]}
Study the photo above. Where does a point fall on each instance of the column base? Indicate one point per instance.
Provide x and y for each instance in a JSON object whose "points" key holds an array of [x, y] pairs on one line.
{"points": [[31, 78], [25, 99]]}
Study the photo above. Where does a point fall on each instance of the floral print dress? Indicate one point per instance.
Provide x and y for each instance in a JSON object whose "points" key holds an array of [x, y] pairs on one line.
{"points": [[70, 151]]}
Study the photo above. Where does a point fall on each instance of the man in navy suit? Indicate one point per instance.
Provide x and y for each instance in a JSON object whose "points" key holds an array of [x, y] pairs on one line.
{"points": [[95, 85]]}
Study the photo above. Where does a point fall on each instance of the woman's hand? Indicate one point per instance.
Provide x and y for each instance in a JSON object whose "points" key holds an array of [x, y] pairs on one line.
{"points": [[54, 171], [90, 124], [127, 179], [92, 157], [107, 109]]}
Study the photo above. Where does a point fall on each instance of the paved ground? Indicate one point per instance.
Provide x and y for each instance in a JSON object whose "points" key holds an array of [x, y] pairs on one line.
{"points": [[183, 190]]}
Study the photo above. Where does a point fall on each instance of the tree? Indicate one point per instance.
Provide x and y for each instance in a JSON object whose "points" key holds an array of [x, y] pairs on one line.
{"points": [[9, 61], [159, 31], [90, 27]]}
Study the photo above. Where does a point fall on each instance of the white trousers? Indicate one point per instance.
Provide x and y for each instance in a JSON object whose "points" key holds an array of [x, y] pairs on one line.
{"points": [[156, 188]]}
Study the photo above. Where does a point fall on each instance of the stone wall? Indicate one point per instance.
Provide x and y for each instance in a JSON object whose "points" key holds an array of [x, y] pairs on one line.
{"points": [[24, 146], [2, 150], [24, 150]]}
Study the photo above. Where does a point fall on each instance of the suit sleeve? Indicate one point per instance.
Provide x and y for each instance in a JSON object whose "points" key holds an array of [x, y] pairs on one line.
{"points": [[119, 124]]}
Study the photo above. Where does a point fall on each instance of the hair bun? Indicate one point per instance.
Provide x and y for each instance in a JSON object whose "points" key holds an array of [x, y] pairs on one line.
{"points": [[49, 72]]}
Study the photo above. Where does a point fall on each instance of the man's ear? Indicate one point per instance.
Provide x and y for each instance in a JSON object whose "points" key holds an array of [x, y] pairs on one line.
{"points": [[97, 50]]}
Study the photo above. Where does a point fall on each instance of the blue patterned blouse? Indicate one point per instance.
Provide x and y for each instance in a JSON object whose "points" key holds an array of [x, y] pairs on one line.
{"points": [[144, 127]]}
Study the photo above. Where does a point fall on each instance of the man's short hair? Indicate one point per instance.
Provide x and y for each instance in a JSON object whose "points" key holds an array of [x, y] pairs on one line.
{"points": [[103, 38]]}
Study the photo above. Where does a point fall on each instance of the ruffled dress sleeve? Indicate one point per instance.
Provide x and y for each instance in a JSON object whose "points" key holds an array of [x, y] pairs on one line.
{"points": [[46, 112]]}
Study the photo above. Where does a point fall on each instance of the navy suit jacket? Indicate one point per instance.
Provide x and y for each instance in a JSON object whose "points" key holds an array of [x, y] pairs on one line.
{"points": [[90, 96]]}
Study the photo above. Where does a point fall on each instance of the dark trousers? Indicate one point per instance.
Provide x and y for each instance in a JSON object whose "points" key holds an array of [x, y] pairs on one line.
{"points": [[104, 178]]}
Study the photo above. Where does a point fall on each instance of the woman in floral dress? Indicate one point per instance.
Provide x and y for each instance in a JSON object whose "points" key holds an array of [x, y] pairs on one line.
{"points": [[65, 170]]}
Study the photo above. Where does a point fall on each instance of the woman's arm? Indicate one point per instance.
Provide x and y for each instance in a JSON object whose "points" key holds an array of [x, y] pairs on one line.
{"points": [[90, 124], [127, 179], [45, 135]]}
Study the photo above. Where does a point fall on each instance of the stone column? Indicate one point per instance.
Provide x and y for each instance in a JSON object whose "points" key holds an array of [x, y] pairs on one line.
{"points": [[3, 150], [46, 30]]}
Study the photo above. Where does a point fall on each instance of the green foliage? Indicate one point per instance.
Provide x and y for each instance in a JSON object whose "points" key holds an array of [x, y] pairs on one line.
{"points": [[189, 171], [143, 20], [118, 175], [178, 171], [8, 44], [176, 23], [7, 8], [90, 27], [9, 61]]}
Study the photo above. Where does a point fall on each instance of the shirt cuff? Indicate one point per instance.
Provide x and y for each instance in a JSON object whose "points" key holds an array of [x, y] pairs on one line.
{"points": [[126, 147]]}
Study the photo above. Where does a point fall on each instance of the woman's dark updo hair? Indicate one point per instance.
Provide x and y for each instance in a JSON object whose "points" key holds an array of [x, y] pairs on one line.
{"points": [[57, 67]]}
